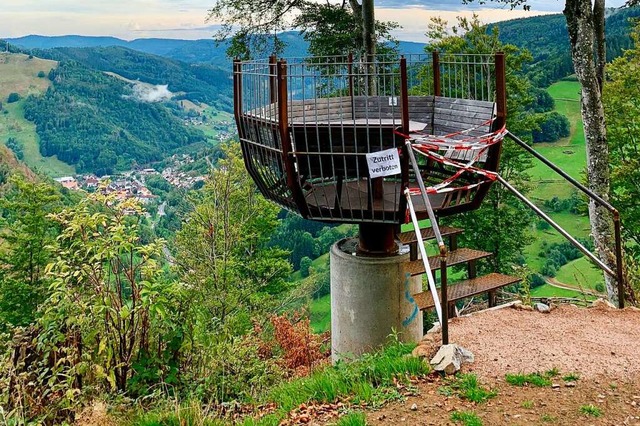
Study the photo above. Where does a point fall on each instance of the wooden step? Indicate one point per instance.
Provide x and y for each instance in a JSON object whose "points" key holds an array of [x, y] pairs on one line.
{"points": [[467, 288], [409, 237], [455, 257]]}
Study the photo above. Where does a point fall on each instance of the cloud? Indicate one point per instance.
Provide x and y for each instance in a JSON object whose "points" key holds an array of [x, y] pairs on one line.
{"points": [[150, 93]]}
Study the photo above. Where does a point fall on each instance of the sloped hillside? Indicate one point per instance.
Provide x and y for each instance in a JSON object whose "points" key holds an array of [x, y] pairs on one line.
{"points": [[19, 74], [195, 82], [95, 122]]}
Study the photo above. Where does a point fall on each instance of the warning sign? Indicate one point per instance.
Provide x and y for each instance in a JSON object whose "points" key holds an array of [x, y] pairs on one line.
{"points": [[383, 163]]}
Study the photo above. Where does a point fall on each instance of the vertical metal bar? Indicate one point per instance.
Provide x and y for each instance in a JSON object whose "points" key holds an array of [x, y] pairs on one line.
{"points": [[437, 91], [619, 270], [237, 92], [273, 91], [404, 102], [501, 91], [444, 298], [283, 127]]}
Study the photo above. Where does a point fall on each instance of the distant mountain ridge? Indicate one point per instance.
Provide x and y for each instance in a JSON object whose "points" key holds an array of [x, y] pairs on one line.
{"points": [[191, 51], [547, 39]]}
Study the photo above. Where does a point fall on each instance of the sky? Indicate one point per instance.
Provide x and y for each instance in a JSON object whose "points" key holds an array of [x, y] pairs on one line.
{"points": [[186, 19]]}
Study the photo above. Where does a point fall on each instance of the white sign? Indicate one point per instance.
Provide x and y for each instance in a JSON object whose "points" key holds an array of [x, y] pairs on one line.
{"points": [[383, 163]]}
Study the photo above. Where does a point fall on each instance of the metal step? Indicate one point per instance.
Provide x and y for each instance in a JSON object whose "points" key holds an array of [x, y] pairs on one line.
{"points": [[409, 237], [467, 288], [455, 257]]}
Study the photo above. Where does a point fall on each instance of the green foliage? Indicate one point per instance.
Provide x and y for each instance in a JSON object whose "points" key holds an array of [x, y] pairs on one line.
{"points": [[528, 404], [466, 418], [175, 413], [91, 120], [26, 234], [547, 39], [559, 254], [308, 238], [17, 147], [571, 377], [305, 264], [371, 378], [575, 204], [253, 26], [467, 386], [334, 29], [13, 97], [535, 379], [500, 210], [195, 82], [107, 287], [590, 410], [357, 418], [543, 101], [41, 74], [553, 126], [621, 92], [234, 276]]}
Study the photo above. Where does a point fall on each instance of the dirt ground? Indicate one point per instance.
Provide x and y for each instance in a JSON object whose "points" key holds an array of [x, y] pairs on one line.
{"points": [[599, 345]]}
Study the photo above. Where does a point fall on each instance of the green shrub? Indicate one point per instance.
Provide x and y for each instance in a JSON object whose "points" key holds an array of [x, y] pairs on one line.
{"points": [[13, 97], [305, 264]]}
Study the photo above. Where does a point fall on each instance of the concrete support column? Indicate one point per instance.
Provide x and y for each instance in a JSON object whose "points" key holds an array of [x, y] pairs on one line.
{"points": [[370, 297]]}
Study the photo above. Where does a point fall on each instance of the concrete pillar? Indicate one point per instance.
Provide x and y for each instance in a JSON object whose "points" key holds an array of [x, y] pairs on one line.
{"points": [[370, 297]]}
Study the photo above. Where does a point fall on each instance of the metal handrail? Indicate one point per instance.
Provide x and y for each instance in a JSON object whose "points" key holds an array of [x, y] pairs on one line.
{"points": [[618, 274]]}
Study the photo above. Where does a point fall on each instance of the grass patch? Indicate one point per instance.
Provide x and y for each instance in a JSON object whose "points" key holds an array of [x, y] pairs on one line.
{"points": [[548, 418], [369, 380], [190, 413], [13, 124], [547, 290], [19, 74], [590, 410], [527, 404], [356, 418], [533, 379], [466, 418], [571, 377], [320, 314], [580, 272], [467, 386]]}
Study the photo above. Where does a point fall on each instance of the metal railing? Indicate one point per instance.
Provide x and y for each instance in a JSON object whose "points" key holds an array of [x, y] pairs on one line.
{"points": [[618, 274]]}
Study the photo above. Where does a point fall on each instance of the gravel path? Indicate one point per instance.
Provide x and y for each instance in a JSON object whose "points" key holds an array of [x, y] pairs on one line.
{"points": [[591, 341]]}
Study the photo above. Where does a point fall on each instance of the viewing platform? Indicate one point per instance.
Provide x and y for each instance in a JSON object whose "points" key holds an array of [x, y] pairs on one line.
{"points": [[309, 126]]}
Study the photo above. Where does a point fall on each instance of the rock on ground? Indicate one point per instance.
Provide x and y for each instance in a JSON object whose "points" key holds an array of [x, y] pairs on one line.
{"points": [[450, 358]]}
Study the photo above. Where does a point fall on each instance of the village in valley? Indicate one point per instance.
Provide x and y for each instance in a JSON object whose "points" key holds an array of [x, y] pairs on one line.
{"points": [[132, 184]]}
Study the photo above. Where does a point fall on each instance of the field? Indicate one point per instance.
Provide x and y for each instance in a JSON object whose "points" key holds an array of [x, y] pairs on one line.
{"points": [[570, 155], [13, 124], [19, 74]]}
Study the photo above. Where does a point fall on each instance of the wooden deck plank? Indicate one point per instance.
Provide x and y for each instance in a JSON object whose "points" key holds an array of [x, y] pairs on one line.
{"points": [[467, 288], [454, 257]]}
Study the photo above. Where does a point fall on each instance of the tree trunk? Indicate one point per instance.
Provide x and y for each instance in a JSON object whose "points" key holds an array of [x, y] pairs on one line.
{"points": [[368, 29], [583, 40], [369, 44]]}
